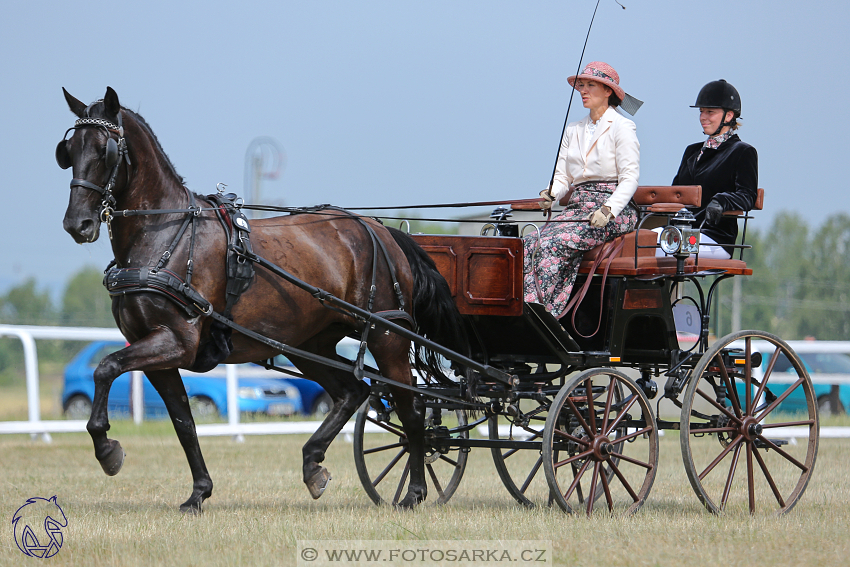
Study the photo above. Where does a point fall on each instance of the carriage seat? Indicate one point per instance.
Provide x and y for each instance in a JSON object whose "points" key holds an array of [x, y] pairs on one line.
{"points": [[638, 258]]}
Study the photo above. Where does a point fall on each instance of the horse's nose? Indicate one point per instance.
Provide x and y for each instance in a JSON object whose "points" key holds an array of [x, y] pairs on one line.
{"points": [[82, 231]]}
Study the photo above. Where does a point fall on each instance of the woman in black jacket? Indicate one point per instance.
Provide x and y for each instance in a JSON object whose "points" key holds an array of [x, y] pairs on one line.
{"points": [[725, 167]]}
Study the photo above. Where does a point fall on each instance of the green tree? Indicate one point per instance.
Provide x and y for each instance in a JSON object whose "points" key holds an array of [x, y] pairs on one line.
{"points": [[25, 305], [85, 302]]}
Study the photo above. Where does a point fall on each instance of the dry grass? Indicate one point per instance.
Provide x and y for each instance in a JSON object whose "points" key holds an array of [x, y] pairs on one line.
{"points": [[260, 508]]}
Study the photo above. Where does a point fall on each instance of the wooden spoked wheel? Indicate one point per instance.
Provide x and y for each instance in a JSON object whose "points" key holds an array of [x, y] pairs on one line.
{"points": [[381, 452], [749, 435], [520, 469], [600, 444]]}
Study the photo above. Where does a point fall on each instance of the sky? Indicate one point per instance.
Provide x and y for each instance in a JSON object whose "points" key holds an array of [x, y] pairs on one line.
{"points": [[393, 103]]}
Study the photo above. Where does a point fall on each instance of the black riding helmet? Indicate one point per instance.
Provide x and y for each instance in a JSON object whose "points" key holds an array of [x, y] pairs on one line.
{"points": [[720, 94]]}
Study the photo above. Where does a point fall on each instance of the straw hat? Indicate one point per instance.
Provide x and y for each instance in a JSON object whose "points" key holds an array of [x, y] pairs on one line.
{"points": [[602, 73]]}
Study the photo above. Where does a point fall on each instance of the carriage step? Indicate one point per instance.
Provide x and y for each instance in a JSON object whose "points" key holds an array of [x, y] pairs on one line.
{"points": [[778, 442]]}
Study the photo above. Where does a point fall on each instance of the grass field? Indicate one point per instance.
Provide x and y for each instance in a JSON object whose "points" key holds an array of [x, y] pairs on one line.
{"points": [[260, 508]]}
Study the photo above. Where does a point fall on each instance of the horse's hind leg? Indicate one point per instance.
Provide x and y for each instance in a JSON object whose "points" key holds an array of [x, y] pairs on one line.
{"points": [[347, 394], [391, 354], [411, 411], [173, 393]]}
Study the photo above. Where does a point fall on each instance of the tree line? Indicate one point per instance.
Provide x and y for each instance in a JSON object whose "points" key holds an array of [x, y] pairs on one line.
{"points": [[800, 288]]}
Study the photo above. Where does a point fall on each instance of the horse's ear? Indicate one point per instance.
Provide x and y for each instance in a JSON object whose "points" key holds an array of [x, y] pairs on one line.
{"points": [[75, 105], [110, 101]]}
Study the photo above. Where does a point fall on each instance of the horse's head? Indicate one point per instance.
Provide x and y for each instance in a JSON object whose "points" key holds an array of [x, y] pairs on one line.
{"points": [[95, 151]]}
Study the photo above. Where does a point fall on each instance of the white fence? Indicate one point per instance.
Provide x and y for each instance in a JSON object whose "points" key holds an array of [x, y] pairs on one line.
{"points": [[37, 427]]}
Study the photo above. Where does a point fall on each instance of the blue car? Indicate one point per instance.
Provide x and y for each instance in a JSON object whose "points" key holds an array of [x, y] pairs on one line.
{"points": [[817, 364], [260, 391]]}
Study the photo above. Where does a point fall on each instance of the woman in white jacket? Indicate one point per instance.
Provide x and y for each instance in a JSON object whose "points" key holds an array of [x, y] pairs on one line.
{"points": [[598, 167]]}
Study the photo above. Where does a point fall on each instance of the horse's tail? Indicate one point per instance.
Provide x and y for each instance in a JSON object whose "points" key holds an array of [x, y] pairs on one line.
{"points": [[434, 310]]}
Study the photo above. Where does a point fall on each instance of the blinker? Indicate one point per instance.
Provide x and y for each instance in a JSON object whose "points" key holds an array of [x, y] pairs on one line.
{"points": [[62, 157]]}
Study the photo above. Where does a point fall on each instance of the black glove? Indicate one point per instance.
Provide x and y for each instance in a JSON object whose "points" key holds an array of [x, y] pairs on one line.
{"points": [[713, 212]]}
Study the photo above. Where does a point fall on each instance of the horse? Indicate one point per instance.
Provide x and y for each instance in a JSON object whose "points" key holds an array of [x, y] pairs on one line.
{"points": [[119, 165]]}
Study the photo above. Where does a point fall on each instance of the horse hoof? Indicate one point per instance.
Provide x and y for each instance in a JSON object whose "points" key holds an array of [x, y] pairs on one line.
{"points": [[112, 462], [318, 482], [193, 509]]}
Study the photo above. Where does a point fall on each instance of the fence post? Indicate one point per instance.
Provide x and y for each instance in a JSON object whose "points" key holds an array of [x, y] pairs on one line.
{"points": [[232, 375]]}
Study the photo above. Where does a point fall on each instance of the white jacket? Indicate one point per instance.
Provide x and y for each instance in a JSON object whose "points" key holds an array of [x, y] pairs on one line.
{"points": [[613, 153]]}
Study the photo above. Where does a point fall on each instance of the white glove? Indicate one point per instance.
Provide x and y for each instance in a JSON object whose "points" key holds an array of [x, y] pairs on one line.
{"points": [[601, 217], [547, 201]]}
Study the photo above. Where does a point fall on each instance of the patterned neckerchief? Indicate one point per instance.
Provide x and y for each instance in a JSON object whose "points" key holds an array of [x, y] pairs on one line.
{"points": [[714, 142]]}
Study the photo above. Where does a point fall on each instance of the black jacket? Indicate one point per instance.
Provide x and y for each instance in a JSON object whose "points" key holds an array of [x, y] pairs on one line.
{"points": [[728, 174]]}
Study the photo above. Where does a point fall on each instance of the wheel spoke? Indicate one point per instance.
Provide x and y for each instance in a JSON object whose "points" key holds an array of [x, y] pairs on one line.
{"points": [[384, 448], [808, 422], [620, 417], [389, 467], [576, 480], [566, 435], [435, 480], [450, 461], [713, 402], [573, 458], [532, 474], [591, 410], [623, 480], [634, 434], [751, 489], [780, 399], [774, 357], [736, 403], [647, 466], [581, 420], [776, 448], [731, 476], [385, 425], [748, 375], [720, 457], [402, 482], [592, 496], [607, 489], [608, 401], [769, 479]]}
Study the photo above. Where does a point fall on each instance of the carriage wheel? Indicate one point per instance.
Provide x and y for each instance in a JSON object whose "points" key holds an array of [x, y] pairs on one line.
{"points": [[520, 469], [381, 455], [598, 450], [732, 413]]}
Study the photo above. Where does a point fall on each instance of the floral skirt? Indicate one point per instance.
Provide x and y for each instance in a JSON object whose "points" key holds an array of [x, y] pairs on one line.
{"points": [[562, 244]]}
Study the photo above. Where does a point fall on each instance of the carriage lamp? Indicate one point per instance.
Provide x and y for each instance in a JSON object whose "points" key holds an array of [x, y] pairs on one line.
{"points": [[679, 238], [501, 224]]}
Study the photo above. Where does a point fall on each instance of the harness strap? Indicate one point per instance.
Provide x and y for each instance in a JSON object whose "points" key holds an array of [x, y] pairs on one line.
{"points": [[608, 252]]}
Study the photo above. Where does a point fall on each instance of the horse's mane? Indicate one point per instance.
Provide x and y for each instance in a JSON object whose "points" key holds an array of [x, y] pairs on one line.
{"points": [[143, 123]]}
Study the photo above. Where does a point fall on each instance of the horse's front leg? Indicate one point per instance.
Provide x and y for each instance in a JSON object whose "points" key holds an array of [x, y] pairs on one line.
{"points": [[170, 387], [158, 350]]}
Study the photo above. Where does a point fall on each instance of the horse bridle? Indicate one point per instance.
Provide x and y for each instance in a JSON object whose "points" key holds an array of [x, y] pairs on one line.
{"points": [[114, 153]]}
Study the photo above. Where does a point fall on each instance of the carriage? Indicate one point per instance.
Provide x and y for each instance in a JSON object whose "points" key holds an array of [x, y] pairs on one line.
{"points": [[565, 405], [576, 426]]}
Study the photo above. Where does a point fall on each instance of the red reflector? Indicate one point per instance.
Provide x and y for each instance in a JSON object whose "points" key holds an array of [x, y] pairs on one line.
{"points": [[692, 240]]}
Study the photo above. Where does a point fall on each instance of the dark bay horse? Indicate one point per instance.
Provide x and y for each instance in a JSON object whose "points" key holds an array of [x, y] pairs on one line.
{"points": [[118, 164]]}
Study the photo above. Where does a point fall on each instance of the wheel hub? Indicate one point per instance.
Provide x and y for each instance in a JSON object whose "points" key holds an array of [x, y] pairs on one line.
{"points": [[602, 448]]}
